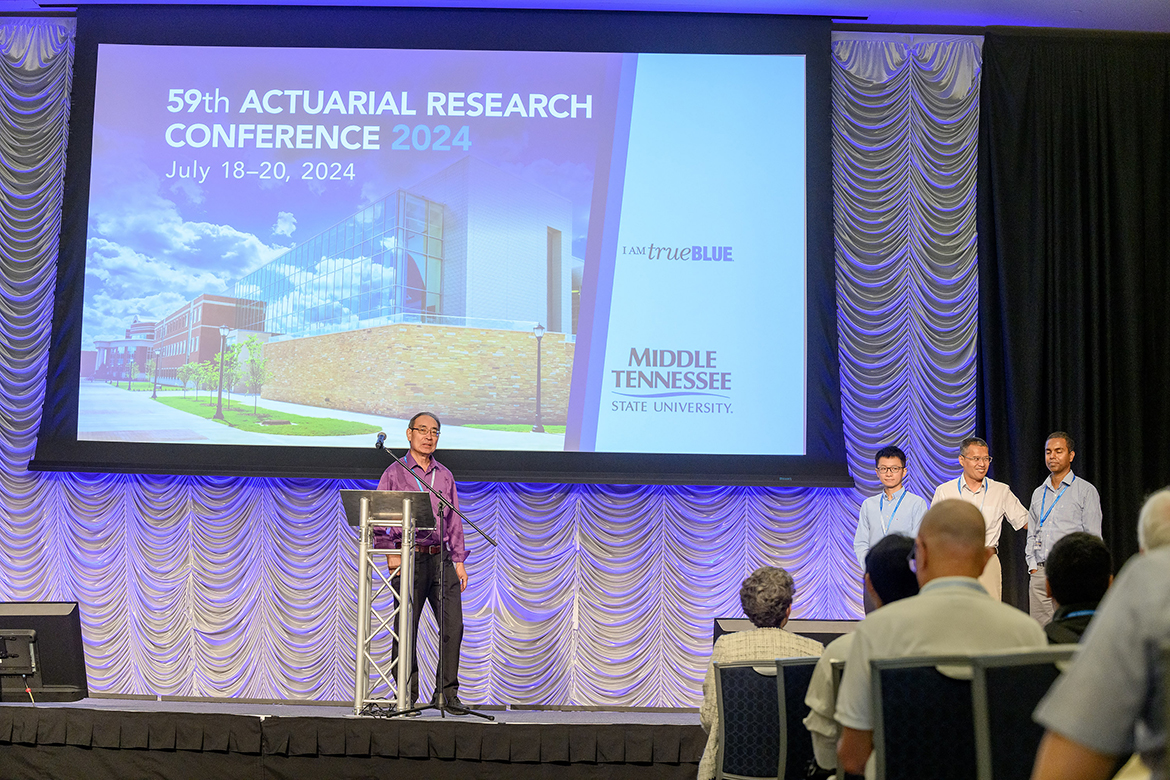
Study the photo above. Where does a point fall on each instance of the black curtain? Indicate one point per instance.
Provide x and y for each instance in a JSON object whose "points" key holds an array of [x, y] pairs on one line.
{"points": [[1074, 252]]}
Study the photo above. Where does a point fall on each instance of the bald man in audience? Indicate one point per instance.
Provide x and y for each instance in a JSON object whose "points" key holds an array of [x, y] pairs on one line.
{"points": [[995, 501], [953, 614]]}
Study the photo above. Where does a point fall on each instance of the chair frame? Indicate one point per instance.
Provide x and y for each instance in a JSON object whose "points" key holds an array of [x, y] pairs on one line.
{"points": [[1054, 654], [878, 665], [719, 773], [838, 670], [780, 691], [782, 753]]}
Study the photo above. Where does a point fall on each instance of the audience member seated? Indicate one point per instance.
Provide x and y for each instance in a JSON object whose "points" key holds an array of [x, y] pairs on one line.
{"points": [[766, 597], [887, 579], [953, 614], [1078, 572], [1154, 521], [1111, 701]]}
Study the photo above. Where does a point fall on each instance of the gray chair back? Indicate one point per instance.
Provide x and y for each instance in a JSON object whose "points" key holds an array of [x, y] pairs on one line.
{"points": [[796, 748], [838, 667], [1005, 689], [749, 705], [923, 726]]}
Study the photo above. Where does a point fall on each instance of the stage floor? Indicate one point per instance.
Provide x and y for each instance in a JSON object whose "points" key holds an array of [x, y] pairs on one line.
{"points": [[565, 716], [120, 738]]}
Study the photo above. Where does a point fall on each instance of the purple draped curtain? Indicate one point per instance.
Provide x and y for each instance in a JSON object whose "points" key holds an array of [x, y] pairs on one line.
{"points": [[597, 595]]}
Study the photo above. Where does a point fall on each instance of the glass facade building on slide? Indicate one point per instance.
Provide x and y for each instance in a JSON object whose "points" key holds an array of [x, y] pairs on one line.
{"points": [[379, 266], [470, 246]]}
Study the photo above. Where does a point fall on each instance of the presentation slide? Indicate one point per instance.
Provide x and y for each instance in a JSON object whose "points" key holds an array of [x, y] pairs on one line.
{"points": [[557, 251]]}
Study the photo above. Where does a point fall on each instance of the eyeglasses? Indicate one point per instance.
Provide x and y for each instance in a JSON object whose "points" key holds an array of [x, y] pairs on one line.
{"points": [[890, 469], [979, 459], [427, 431]]}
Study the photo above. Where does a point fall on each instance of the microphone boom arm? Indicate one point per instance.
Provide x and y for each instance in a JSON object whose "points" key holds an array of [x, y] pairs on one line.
{"points": [[442, 501]]}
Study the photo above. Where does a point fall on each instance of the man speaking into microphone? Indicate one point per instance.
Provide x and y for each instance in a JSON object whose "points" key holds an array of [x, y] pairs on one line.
{"points": [[431, 552]]}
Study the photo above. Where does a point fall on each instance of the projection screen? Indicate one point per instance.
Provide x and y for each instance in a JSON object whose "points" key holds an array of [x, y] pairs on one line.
{"points": [[589, 259]]}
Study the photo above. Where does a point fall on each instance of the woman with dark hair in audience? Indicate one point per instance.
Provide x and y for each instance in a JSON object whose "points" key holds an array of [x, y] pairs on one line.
{"points": [[766, 597]]}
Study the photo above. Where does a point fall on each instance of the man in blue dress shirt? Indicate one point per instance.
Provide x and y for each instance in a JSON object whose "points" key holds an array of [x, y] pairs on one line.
{"points": [[893, 511], [1063, 504]]}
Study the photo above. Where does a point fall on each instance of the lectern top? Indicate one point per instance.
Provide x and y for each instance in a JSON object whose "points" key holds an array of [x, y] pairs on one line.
{"points": [[385, 504]]}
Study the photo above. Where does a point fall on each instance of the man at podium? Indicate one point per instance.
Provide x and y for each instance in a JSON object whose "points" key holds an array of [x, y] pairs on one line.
{"points": [[431, 552]]}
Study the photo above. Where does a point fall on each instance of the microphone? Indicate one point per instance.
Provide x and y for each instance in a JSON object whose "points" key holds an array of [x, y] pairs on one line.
{"points": [[380, 444]]}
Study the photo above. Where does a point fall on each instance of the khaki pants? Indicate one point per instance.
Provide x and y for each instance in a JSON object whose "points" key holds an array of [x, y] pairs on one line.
{"points": [[992, 578], [1039, 605]]}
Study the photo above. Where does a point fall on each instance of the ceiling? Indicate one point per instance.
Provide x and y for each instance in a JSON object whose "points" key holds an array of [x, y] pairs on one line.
{"points": [[1132, 15]]}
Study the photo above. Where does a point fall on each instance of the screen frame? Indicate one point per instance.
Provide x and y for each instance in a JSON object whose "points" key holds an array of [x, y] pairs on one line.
{"points": [[824, 462]]}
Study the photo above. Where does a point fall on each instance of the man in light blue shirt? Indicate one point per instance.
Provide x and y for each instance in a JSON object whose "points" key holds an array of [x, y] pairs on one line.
{"points": [[893, 511], [1111, 701], [1063, 504]]}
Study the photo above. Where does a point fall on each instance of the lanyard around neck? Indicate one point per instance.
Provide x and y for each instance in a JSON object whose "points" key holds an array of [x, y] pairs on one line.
{"points": [[1044, 499], [882, 505], [419, 481]]}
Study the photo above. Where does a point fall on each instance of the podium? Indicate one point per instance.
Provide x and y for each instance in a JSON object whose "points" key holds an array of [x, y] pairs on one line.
{"points": [[369, 511]]}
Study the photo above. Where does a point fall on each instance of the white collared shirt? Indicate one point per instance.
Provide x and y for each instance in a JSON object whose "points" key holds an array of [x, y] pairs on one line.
{"points": [[994, 499]]}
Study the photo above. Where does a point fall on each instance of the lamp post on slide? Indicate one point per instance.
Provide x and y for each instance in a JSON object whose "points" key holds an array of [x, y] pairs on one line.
{"points": [[154, 392], [538, 331], [223, 331]]}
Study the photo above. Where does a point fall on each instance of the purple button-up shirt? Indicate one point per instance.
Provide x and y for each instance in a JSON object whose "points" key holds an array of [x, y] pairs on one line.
{"points": [[440, 478]]}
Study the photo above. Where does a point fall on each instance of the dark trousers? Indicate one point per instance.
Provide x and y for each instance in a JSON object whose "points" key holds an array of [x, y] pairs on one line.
{"points": [[426, 588]]}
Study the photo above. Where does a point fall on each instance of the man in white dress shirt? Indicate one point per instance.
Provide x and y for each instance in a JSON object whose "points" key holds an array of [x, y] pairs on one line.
{"points": [[994, 500]]}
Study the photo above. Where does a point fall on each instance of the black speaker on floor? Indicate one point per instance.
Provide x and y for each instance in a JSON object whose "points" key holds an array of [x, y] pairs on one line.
{"points": [[43, 651]]}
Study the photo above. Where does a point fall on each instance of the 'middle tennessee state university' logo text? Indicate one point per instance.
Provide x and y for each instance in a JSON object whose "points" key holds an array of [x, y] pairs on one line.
{"points": [[652, 376], [692, 253]]}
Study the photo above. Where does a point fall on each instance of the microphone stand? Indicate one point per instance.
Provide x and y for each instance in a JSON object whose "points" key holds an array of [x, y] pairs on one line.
{"points": [[440, 700]]}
